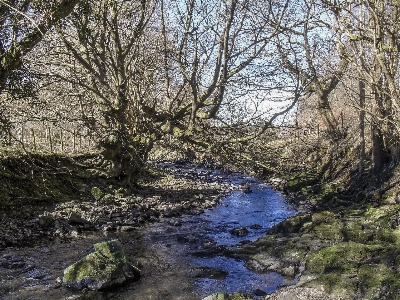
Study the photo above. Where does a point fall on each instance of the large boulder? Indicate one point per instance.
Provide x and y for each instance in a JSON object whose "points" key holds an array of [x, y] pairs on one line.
{"points": [[105, 267]]}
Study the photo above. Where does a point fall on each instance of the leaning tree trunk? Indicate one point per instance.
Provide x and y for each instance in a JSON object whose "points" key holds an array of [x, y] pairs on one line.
{"points": [[378, 148], [328, 118]]}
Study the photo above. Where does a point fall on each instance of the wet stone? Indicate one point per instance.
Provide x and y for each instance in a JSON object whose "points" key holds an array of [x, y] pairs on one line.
{"points": [[76, 219], [239, 231], [259, 293], [185, 239], [211, 273], [255, 226], [45, 221]]}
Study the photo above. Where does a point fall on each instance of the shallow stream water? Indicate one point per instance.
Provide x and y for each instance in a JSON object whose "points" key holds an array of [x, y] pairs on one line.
{"points": [[203, 239], [182, 258]]}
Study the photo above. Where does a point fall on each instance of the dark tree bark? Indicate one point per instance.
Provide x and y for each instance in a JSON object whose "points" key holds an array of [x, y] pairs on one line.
{"points": [[379, 153]]}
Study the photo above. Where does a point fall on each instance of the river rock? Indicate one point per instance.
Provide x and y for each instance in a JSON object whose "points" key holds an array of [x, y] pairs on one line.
{"points": [[46, 221], [233, 296], [245, 189], [211, 273], [105, 267], [239, 231], [76, 219], [295, 293]]}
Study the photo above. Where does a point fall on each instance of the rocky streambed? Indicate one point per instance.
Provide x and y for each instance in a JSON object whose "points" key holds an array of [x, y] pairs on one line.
{"points": [[185, 233]]}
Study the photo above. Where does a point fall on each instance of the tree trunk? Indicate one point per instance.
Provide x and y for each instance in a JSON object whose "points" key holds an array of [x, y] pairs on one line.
{"points": [[361, 85], [328, 118], [127, 156], [378, 148], [379, 153]]}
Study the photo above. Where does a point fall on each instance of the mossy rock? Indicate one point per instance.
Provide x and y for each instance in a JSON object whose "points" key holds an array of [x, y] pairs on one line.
{"points": [[240, 296], [340, 256], [354, 230], [390, 196], [349, 269], [332, 230], [97, 193], [217, 296], [340, 284], [105, 267], [292, 224], [108, 198], [299, 182], [378, 281]]}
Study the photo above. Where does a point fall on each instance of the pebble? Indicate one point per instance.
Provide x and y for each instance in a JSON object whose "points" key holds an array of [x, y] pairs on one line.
{"points": [[72, 219]]}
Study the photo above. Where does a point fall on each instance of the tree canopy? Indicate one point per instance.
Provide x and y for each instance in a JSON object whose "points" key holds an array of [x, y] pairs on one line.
{"points": [[212, 74]]}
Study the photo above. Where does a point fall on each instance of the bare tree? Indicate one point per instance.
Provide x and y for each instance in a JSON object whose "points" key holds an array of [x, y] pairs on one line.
{"points": [[148, 69], [223, 59], [315, 52], [23, 25], [373, 29]]}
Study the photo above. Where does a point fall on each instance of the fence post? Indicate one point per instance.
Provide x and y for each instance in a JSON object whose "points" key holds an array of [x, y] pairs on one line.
{"points": [[33, 140], [21, 139], [49, 139], [61, 140], [74, 141]]}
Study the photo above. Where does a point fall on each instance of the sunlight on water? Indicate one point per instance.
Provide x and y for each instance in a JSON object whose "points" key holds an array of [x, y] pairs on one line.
{"points": [[257, 211]]}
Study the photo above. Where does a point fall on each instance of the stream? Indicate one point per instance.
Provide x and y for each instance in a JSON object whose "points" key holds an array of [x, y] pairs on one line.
{"points": [[186, 257], [252, 207]]}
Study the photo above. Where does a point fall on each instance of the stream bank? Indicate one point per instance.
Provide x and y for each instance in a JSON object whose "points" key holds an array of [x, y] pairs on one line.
{"points": [[185, 253], [347, 242], [334, 250]]}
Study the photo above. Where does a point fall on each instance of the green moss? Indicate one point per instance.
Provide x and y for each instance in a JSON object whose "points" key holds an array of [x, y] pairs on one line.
{"points": [[353, 230], [107, 198], [344, 285], [377, 281], [97, 193], [329, 231], [113, 250], [300, 182], [82, 269], [107, 264], [293, 224], [217, 296], [333, 258], [390, 196], [323, 217]]}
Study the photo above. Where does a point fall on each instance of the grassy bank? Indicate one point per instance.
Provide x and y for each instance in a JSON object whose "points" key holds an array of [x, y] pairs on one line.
{"points": [[348, 242], [30, 179]]}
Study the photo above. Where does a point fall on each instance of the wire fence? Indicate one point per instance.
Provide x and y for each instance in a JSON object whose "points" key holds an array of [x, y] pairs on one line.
{"points": [[47, 137]]}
